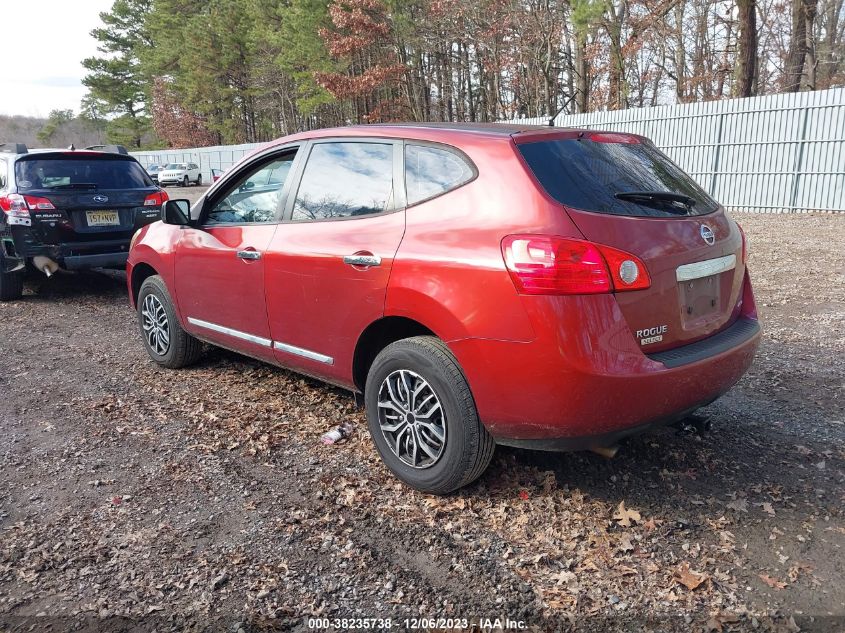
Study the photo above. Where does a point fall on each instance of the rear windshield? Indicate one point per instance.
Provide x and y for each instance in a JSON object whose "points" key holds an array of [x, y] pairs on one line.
{"points": [[80, 173], [586, 174]]}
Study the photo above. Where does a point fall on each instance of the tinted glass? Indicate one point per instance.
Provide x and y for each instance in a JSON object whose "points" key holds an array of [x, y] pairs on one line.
{"points": [[430, 171], [586, 174], [3, 169], [344, 180], [80, 173], [253, 198]]}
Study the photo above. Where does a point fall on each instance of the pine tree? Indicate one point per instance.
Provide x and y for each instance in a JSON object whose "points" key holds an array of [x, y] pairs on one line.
{"points": [[115, 78]]}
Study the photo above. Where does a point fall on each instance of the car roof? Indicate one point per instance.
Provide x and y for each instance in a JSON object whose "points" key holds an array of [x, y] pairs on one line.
{"points": [[56, 152], [486, 129], [444, 132]]}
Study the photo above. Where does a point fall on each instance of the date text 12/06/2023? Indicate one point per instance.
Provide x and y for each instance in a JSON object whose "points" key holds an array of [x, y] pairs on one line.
{"points": [[414, 624]]}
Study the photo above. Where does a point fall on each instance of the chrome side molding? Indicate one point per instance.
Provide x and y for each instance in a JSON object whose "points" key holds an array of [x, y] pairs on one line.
{"points": [[264, 342], [305, 353], [708, 267]]}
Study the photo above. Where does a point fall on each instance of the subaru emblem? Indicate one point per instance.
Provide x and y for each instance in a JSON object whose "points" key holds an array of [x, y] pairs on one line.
{"points": [[101, 199], [707, 235]]}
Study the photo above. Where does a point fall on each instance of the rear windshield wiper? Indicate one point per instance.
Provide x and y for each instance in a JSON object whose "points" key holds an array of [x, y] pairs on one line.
{"points": [[657, 196], [76, 185]]}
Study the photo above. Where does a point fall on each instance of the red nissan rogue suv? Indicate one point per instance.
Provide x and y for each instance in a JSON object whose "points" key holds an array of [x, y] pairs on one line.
{"points": [[479, 284]]}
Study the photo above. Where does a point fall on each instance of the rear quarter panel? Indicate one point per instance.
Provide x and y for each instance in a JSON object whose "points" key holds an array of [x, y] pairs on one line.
{"points": [[449, 273]]}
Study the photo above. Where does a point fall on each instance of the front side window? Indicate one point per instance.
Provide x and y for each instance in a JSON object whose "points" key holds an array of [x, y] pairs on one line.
{"points": [[345, 179], [254, 198], [430, 171]]}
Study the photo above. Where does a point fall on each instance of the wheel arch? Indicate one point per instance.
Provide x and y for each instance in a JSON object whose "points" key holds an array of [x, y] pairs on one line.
{"points": [[140, 273], [378, 335]]}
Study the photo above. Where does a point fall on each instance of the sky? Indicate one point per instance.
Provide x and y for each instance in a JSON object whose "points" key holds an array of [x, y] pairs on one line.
{"points": [[42, 67]]}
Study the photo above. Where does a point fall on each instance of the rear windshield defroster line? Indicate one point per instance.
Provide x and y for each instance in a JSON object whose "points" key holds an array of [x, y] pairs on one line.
{"points": [[588, 175]]}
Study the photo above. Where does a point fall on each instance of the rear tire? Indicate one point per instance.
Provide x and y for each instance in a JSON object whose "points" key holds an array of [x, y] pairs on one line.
{"points": [[199, 180], [164, 339], [11, 285], [422, 416]]}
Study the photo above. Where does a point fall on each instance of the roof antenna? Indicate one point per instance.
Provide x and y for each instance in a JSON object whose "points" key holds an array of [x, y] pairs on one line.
{"points": [[551, 122], [71, 148]]}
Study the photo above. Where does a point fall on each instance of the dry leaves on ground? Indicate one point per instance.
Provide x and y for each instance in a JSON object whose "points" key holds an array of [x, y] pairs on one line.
{"points": [[625, 516], [690, 579], [774, 583]]}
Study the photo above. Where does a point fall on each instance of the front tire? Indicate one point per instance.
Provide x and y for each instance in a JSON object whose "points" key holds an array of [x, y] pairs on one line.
{"points": [[11, 285], [164, 339], [422, 417], [185, 181]]}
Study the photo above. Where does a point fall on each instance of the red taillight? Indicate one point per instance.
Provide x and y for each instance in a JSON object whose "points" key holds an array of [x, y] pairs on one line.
{"points": [[156, 199], [628, 271], [548, 265], [15, 207], [38, 204], [744, 245]]}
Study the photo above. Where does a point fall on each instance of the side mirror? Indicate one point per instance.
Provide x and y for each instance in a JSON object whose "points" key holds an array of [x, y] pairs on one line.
{"points": [[176, 212], [247, 186]]}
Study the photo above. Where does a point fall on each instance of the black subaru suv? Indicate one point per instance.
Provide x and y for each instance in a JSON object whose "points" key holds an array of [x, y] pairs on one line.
{"points": [[71, 209]]}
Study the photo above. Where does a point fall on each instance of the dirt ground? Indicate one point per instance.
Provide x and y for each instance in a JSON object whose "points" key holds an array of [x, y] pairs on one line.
{"points": [[136, 498]]}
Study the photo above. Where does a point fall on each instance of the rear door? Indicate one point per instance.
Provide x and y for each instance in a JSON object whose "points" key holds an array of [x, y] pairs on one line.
{"points": [[614, 188], [329, 262], [220, 263]]}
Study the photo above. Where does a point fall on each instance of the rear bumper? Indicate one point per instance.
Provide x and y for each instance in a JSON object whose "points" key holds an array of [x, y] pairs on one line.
{"points": [[103, 260], [585, 382], [81, 255]]}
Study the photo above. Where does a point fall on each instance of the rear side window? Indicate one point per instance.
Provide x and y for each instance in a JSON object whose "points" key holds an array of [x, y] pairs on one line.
{"points": [[344, 180], [3, 172], [80, 173], [586, 174], [431, 171]]}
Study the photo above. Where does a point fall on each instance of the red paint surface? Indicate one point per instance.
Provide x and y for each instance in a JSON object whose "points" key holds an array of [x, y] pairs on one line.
{"points": [[538, 366]]}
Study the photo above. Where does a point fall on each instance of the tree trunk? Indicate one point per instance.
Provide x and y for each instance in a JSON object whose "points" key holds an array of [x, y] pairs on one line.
{"points": [[746, 63], [582, 69], [797, 48]]}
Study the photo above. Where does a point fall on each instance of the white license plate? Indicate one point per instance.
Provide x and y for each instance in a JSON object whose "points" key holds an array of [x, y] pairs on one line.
{"points": [[102, 218]]}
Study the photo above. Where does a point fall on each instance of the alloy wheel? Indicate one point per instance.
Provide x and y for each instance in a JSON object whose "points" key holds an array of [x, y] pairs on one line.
{"points": [[155, 325], [412, 419]]}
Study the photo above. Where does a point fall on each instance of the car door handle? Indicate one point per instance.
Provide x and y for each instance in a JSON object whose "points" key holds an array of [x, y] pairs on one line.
{"points": [[249, 254], [362, 260]]}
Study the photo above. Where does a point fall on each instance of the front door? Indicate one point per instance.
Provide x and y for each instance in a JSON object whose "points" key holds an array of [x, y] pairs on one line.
{"points": [[220, 263], [329, 262]]}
